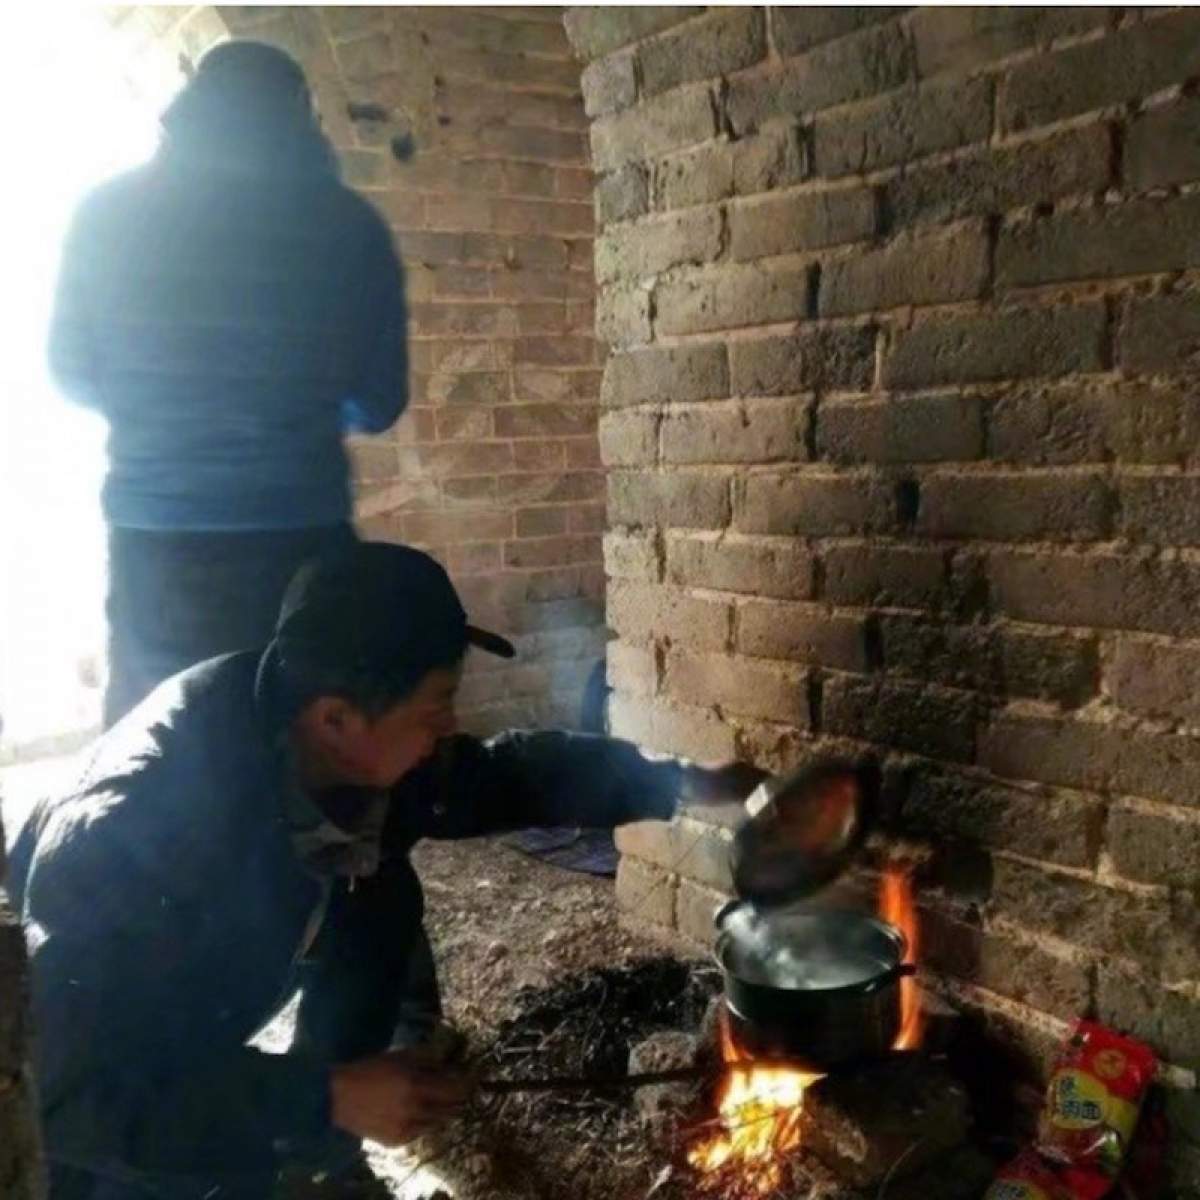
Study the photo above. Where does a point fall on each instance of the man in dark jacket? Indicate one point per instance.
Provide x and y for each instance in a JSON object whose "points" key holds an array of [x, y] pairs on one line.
{"points": [[231, 309], [246, 831]]}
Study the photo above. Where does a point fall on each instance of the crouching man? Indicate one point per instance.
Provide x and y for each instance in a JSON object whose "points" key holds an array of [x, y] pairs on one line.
{"points": [[245, 832]]}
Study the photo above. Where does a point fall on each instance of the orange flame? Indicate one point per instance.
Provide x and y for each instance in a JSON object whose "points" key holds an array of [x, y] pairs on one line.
{"points": [[759, 1120], [897, 907]]}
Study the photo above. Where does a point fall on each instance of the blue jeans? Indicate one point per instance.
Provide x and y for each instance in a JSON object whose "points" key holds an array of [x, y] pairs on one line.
{"points": [[176, 599]]}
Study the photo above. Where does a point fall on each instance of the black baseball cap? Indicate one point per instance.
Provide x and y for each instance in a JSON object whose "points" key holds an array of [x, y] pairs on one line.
{"points": [[377, 610]]}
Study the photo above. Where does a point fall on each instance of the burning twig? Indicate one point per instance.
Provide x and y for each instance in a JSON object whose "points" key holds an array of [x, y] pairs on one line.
{"points": [[587, 1083]]}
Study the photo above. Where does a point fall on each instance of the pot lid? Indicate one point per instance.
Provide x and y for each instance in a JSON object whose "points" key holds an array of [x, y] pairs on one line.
{"points": [[803, 830]]}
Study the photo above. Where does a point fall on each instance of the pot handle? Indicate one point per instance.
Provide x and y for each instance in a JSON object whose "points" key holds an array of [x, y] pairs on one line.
{"points": [[903, 970]]}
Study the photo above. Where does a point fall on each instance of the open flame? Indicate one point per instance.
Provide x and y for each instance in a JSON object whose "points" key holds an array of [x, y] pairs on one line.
{"points": [[759, 1110], [759, 1104], [897, 907]]}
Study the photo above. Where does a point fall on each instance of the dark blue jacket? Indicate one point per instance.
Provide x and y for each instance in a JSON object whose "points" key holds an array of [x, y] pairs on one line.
{"points": [[164, 903], [231, 323]]}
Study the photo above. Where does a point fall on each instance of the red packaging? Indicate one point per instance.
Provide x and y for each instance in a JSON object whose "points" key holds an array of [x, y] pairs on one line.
{"points": [[1094, 1099], [1030, 1177]]}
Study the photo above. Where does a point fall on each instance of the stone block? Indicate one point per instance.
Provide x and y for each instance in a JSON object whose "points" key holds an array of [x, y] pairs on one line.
{"points": [[801, 221], [697, 176], [833, 359], [642, 612], [1048, 426], [1093, 755], [953, 265], [1161, 333], [733, 296], [695, 909], [1160, 509], [867, 63], [967, 38], [1124, 66], [1098, 589], [740, 686], [991, 181], [622, 194], [774, 158], [694, 499], [632, 669], [1150, 845], [1012, 344], [623, 315], [886, 575], [801, 633], [1162, 147], [941, 428], [1135, 238], [1064, 828], [672, 729], [728, 39], [815, 505], [609, 84], [925, 719], [900, 128], [1015, 506], [796, 28], [1156, 679], [629, 438], [728, 562], [666, 375], [750, 432], [625, 252], [632, 556], [654, 128], [885, 1121], [594, 30]]}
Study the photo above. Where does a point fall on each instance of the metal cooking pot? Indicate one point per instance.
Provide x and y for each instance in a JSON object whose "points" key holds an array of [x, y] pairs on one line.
{"points": [[820, 987]]}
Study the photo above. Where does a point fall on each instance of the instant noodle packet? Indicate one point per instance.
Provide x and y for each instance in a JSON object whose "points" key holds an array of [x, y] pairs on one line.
{"points": [[1094, 1098], [1028, 1177]]}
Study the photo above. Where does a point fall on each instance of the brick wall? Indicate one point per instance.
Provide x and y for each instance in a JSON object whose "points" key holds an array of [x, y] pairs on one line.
{"points": [[495, 469], [901, 428]]}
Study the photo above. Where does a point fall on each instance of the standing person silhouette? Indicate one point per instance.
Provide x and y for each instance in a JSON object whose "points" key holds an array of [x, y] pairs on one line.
{"points": [[232, 310]]}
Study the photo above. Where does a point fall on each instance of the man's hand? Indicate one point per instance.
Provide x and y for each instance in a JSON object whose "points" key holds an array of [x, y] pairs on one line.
{"points": [[395, 1097], [728, 783]]}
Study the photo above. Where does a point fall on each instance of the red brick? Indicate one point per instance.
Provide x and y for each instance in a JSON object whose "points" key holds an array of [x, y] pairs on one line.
{"points": [[751, 432], [547, 488], [551, 551], [815, 505], [465, 423], [554, 351], [909, 125], [684, 499], [540, 522], [1015, 506], [545, 420], [837, 359], [757, 566], [801, 221], [641, 612], [537, 216], [551, 385], [539, 456], [588, 518], [1094, 755], [466, 458], [1123, 66], [928, 720], [802, 633], [1008, 344], [474, 558], [458, 527], [739, 685]]}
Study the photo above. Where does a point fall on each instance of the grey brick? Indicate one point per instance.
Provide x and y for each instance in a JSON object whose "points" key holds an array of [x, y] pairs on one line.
{"points": [[664, 375], [609, 84], [801, 221], [598, 29], [841, 359], [1162, 147], [696, 177], [728, 39], [922, 429], [654, 128], [814, 505], [733, 297], [1161, 333]]}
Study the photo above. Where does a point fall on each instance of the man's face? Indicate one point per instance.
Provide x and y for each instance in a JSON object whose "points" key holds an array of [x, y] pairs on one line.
{"points": [[342, 745]]}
